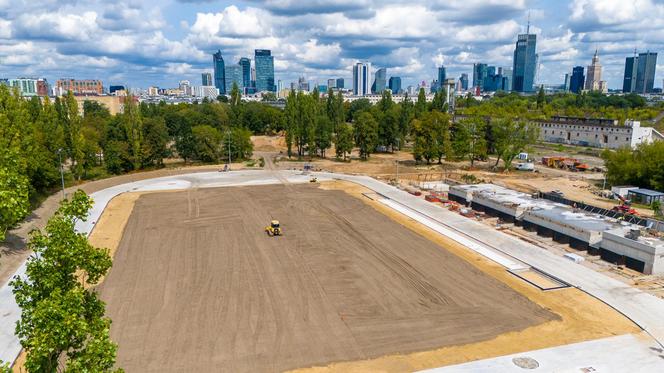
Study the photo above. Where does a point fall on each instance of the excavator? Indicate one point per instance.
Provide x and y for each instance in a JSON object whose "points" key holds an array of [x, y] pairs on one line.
{"points": [[273, 229], [624, 206]]}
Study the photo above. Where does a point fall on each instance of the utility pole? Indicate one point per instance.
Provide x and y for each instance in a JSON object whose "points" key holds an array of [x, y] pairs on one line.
{"points": [[229, 150], [62, 176]]}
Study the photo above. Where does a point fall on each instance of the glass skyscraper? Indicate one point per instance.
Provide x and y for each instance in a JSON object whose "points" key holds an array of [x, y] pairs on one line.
{"points": [[525, 63], [441, 76], [245, 63], [629, 80], [264, 63], [395, 84], [233, 74], [464, 81], [479, 74], [340, 82], [219, 72], [380, 81], [645, 72], [361, 77], [206, 79], [577, 80]]}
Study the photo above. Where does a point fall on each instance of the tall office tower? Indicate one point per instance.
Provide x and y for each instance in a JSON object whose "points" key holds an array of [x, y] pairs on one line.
{"points": [[245, 63], [464, 81], [395, 84], [340, 83], [361, 77], [331, 83], [629, 80], [645, 72], [219, 72], [206, 79], [280, 85], [233, 74], [508, 78], [264, 63], [479, 74], [442, 76], [566, 85], [577, 79], [380, 81], [594, 74], [525, 62]]}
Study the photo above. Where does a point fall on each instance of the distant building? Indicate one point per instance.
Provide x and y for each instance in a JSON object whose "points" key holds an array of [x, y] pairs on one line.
{"points": [[210, 92], [508, 75], [153, 91], [340, 83], [331, 83], [80, 87], [115, 88], [233, 74], [629, 79], [442, 75], [361, 77], [380, 81], [645, 73], [395, 84], [598, 133], [464, 81], [219, 72], [525, 62], [27, 87], [114, 104], [245, 65], [264, 63], [206, 79], [568, 78], [322, 88], [577, 80], [280, 85], [594, 76], [186, 88], [302, 84], [479, 74]]}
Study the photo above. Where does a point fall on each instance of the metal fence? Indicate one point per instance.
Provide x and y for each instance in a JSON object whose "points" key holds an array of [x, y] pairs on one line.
{"points": [[645, 222]]}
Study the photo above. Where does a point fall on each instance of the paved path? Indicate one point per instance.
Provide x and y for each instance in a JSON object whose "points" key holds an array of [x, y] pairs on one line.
{"points": [[644, 309]]}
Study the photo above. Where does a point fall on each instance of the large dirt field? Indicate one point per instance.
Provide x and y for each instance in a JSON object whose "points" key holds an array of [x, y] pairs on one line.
{"points": [[197, 286]]}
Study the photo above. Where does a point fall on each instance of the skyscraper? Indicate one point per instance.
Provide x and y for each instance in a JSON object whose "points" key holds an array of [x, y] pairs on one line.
{"points": [[525, 62], [568, 78], [594, 74], [219, 72], [331, 83], [629, 81], [245, 63], [507, 79], [264, 70], [441, 76], [395, 84], [479, 74], [206, 79], [361, 77], [577, 79], [380, 81], [464, 81], [233, 74], [645, 72], [340, 83]]}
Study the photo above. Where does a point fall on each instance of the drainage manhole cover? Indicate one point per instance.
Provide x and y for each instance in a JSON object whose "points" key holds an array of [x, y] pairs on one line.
{"points": [[525, 362]]}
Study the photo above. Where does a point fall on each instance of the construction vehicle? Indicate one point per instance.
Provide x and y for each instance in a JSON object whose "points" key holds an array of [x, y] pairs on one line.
{"points": [[564, 163], [313, 179], [625, 206], [273, 229]]}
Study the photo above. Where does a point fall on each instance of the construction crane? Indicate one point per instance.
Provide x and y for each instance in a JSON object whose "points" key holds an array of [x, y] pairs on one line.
{"points": [[273, 229], [625, 206]]}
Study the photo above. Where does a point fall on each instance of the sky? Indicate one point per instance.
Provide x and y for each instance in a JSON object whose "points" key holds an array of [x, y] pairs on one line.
{"points": [[139, 44]]}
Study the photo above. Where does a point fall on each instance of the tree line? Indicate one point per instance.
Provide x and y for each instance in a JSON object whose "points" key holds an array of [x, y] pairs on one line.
{"points": [[643, 166], [41, 137], [313, 125]]}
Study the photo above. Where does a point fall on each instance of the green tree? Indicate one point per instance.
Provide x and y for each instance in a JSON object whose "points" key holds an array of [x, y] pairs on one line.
{"points": [[62, 318], [421, 104], [208, 143], [343, 142], [323, 134], [541, 98], [468, 139], [71, 122], [133, 127], [431, 137], [366, 134], [511, 138], [155, 139], [236, 96], [14, 191]]}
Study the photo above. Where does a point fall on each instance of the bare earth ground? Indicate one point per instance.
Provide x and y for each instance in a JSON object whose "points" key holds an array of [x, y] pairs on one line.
{"points": [[197, 286]]}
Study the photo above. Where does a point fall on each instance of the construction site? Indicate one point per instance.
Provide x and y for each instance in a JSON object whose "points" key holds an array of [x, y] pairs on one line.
{"points": [[289, 269]]}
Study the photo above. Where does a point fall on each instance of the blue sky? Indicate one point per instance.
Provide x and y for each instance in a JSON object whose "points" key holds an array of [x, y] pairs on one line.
{"points": [[137, 43]]}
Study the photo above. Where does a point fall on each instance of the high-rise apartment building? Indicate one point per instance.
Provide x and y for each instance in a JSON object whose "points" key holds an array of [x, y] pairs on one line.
{"points": [[361, 77], [395, 84], [525, 62], [219, 72], [645, 72], [380, 81], [80, 87], [577, 80], [479, 74], [233, 74], [264, 63], [206, 79]]}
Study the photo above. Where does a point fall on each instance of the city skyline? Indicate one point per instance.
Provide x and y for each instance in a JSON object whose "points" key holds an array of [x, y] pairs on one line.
{"points": [[133, 43]]}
